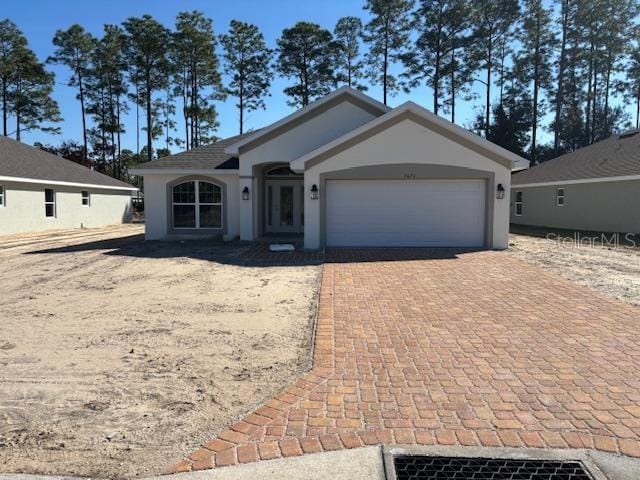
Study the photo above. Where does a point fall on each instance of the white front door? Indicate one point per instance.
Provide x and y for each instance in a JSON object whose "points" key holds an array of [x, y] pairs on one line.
{"points": [[284, 206], [429, 213]]}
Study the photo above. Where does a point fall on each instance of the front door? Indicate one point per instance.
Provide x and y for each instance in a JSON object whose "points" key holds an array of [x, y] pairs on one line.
{"points": [[284, 207]]}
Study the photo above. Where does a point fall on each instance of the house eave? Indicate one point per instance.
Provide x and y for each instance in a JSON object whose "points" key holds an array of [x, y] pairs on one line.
{"points": [[182, 171], [621, 178], [66, 184]]}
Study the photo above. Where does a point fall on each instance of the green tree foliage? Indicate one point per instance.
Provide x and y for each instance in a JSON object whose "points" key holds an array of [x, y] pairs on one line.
{"points": [[25, 85], [106, 95], [349, 65], [247, 63], [74, 49], [147, 44], [492, 22], [511, 124], [442, 27], [306, 53], [70, 149], [198, 77], [632, 85], [387, 35], [534, 63]]}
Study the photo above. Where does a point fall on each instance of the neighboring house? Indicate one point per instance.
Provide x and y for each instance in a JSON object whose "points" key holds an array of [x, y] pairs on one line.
{"points": [[345, 170], [596, 188], [40, 191]]}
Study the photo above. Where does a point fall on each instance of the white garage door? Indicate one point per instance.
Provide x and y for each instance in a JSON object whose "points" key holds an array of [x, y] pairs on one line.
{"points": [[436, 213]]}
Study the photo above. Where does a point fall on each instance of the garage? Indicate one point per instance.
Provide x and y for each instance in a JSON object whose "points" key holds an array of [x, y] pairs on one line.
{"points": [[411, 213]]}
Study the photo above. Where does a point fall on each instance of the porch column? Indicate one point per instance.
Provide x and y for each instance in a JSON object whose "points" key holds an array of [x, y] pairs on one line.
{"points": [[247, 207], [312, 211]]}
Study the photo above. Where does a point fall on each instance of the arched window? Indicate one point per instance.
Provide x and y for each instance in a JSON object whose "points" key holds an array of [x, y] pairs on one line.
{"points": [[197, 204]]}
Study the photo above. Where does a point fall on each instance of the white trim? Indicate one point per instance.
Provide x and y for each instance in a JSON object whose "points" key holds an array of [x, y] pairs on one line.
{"points": [[57, 182], [181, 171], [623, 178], [3, 196], [298, 165], [520, 203], [88, 204], [558, 197], [54, 203], [234, 149], [196, 206]]}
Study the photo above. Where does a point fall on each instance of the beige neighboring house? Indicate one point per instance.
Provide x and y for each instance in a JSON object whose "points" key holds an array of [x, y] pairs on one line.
{"points": [[596, 188], [345, 170], [40, 191]]}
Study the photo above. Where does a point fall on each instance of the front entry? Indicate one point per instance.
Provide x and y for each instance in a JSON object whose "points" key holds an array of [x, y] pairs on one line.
{"points": [[284, 206]]}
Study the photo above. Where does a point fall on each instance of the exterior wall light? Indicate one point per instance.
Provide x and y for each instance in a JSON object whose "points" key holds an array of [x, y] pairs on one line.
{"points": [[314, 192], [500, 192], [245, 193]]}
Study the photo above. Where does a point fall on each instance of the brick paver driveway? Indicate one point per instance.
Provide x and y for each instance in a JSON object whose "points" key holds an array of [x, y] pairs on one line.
{"points": [[437, 348]]}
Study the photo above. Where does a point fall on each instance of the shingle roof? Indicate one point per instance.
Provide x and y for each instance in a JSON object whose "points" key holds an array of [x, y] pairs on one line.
{"points": [[24, 161], [210, 156], [617, 156]]}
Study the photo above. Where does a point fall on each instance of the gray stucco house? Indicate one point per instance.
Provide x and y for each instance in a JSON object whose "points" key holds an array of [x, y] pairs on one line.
{"points": [[40, 191], [596, 188]]}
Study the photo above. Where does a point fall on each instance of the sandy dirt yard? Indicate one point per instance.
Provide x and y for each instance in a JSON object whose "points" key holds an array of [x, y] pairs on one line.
{"points": [[119, 356], [613, 271]]}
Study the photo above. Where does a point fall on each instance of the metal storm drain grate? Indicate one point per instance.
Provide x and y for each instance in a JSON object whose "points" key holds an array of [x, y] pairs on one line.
{"points": [[411, 467]]}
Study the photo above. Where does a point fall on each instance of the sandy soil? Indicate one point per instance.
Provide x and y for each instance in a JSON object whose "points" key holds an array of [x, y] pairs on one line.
{"points": [[118, 356], [613, 271]]}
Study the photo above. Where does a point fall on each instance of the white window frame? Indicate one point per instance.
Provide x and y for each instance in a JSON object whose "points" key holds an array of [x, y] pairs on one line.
{"points": [[560, 197], [519, 204], [55, 208], [87, 198], [3, 196], [197, 206]]}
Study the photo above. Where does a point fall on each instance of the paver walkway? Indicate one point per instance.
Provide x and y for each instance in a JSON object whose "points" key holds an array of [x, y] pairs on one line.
{"points": [[435, 348]]}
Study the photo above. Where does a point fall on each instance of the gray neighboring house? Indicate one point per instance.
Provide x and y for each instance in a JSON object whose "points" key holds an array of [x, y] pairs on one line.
{"points": [[596, 188], [40, 191]]}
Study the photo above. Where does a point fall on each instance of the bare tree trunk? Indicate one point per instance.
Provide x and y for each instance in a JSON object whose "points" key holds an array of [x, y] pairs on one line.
{"points": [[487, 113], [84, 119], [5, 103], [149, 117], [561, 67], [241, 103], [453, 84]]}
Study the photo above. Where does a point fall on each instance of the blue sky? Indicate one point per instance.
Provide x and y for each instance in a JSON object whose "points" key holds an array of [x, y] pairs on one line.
{"points": [[39, 19]]}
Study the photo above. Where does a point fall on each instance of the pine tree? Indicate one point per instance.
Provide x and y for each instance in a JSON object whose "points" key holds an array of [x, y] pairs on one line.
{"points": [[306, 53], [533, 64], [25, 85], [492, 21], [32, 91], [632, 85], [349, 66], [147, 44], [435, 59], [388, 36], [200, 84], [74, 48], [247, 62]]}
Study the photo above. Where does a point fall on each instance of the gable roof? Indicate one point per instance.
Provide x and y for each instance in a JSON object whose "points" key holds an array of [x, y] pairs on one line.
{"points": [[27, 164], [206, 157], [617, 156], [420, 114], [315, 108]]}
